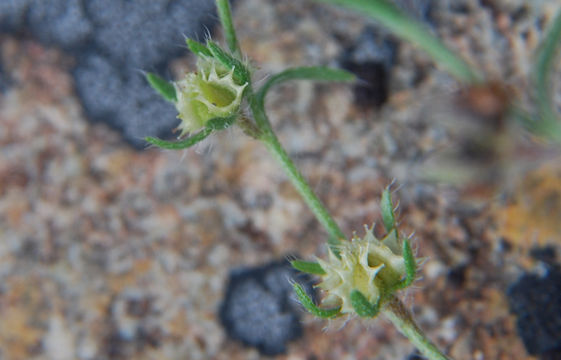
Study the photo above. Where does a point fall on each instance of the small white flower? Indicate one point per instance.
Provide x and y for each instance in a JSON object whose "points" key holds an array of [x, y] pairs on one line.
{"points": [[207, 94], [366, 264]]}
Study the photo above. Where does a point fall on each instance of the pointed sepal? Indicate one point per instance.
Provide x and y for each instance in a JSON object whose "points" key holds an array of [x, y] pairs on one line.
{"points": [[221, 123], [386, 206], [181, 144], [410, 263], [308, 303], [197, 48], [211, 126], [308, 267], [162, 86], [241, 73], [362, 306]]}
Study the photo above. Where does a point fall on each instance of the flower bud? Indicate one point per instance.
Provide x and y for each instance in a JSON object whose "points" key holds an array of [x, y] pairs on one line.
{"points": [[209, 93]]}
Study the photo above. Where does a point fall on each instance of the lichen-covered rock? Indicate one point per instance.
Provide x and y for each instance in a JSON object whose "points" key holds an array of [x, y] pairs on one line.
{"points": [[259, 309]]}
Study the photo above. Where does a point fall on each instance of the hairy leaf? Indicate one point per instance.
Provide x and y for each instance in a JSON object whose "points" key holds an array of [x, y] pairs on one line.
{"points": [[311, 307], [162, 86], [316, 73], [410, 263], [362, 306], [221, 123], [197, 48], [307, 267], [388, 216], [181, 144], [241, 74]]}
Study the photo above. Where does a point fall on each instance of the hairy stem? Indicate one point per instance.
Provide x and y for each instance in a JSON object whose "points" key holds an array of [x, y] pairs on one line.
{"points": [[263, 131], [396, 312], [294, 175], [225, 14]]}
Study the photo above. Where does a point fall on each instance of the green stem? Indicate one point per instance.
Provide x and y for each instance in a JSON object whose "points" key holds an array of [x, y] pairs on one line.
{"points": [[272, 143], [225, 14], [413, 31], [266, 134], [262, 130], [396, 312]]}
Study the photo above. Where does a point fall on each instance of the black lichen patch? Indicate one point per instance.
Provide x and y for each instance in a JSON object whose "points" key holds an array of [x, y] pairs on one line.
{"points": [[260, 309], [536, 301], [114, 41], [371, 59]]}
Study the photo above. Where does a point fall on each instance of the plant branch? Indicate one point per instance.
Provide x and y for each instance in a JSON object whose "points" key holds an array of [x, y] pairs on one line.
{"points": [[263, 131], [294, 175], [396, 312], [225, 14]]}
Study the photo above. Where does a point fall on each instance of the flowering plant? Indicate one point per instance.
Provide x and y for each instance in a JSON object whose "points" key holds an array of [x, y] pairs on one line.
{"points": [[361, 276]]}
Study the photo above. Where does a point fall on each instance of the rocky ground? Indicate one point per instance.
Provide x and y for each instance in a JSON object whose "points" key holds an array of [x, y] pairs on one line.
{"points": [[108, 252]]}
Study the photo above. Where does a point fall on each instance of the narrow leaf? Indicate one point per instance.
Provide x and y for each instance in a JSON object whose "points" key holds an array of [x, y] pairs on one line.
{"points": [[197, 48], [404, 26], [388, 217], [241, 74], [181, 144], [544, 69], [162, 86], [410, 263], [310, 306], [317, 73], [362, 306], [307, 267]]}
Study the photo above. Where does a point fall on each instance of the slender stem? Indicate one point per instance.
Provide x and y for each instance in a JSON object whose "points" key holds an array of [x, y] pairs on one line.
{"points": [[262, 130], [413, 31], [225, 14], [267, 135], [294, 175], [396, 312]]}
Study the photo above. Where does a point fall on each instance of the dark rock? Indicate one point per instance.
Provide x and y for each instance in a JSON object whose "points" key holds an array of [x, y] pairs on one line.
{"points": [[371, 59], [114, 41], [260, 309], [122, 99], [536, 301], [457, 275], [12, 14], [145, 33], [61, 23]]}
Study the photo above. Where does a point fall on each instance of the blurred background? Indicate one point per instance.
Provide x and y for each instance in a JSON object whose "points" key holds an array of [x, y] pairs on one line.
{"points": [[113, 250]]}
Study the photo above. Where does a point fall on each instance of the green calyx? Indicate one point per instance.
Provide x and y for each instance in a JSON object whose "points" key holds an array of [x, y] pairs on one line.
{"points": [[205, 98], [210, 93], [366, 273]]}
